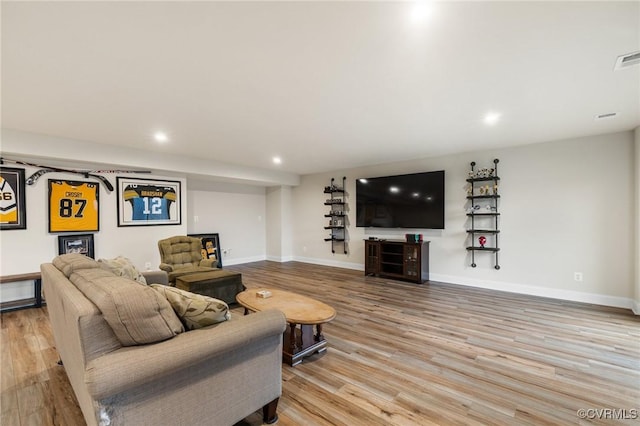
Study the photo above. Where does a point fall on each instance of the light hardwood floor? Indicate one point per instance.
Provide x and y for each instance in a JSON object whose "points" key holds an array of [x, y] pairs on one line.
{"points": [[399, 354]]}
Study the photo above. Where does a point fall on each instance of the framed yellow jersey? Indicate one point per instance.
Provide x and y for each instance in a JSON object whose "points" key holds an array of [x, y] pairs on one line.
{"points": [[73, 206], [12, 199]]}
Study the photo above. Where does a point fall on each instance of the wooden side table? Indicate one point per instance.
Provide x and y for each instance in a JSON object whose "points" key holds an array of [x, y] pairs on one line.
{"points": [[35, 302], [301, 312]]}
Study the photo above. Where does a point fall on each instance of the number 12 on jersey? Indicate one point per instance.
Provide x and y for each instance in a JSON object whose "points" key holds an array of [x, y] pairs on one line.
{"points": [[148, 202]]}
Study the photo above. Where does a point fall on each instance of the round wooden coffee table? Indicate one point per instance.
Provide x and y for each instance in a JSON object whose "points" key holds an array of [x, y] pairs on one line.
{"points": [[301, 312]]}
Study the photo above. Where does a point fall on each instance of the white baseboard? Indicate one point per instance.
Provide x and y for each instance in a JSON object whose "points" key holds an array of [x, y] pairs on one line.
{"points": [[636, 307], [280, 259], [552, 293], [334, 263], [241, 260]]}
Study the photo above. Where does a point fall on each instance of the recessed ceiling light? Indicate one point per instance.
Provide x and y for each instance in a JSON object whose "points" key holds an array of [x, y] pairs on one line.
{"points": [[363, 180], [160, 137], [492, 118], [421, 11], [277, 160], [394, 189]]}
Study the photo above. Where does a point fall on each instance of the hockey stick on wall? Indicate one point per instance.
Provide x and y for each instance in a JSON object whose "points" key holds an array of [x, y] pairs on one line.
{"points": [[86, 173], [34, 177]]}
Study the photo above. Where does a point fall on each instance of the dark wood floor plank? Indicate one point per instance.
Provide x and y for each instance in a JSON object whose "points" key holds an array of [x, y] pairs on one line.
{"points": [[399, 354]]}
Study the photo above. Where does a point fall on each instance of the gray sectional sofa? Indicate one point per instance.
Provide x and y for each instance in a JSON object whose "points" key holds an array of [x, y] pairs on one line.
{"points": [[130, 362]]}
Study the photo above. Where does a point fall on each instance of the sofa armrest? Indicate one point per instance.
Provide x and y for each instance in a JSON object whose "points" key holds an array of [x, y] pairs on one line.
{"points": [[166, 267], [209, 263], [156, 277], [133, 366]]}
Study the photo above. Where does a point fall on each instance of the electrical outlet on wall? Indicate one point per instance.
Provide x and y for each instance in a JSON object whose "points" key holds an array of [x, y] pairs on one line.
{"points": [[147, 266], [577, 276]]}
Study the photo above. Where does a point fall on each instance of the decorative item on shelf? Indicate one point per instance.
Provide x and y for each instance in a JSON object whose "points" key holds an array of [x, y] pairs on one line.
{"points": [[473, 209], [482, 173], [413, 238], [482, 240]]}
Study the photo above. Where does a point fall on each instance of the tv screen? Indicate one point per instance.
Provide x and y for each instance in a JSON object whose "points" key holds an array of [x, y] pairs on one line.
{"points": [[405, 201]]}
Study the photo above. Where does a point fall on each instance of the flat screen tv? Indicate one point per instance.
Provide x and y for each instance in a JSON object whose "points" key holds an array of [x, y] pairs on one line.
{"points": [[404, 201]]}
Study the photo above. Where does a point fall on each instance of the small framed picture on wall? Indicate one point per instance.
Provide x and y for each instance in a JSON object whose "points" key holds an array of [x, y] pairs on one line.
{"points": [[210, 247], [77, 243]]}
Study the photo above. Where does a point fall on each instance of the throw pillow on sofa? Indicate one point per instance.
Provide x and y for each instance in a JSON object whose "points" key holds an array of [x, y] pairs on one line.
{"points": [[136, 313], [195, 310], [123, 267], [68, 263]]}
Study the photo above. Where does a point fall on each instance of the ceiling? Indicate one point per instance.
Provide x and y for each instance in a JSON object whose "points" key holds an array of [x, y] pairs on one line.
{"points": [[323, 85]]}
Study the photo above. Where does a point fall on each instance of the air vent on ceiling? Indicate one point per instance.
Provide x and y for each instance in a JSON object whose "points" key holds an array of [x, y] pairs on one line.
{"points": [[605, 116], [628, 60]]}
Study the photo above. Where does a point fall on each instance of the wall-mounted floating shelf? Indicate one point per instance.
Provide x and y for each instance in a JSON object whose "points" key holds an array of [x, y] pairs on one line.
{"points": [[337, 215], [483, 186]]}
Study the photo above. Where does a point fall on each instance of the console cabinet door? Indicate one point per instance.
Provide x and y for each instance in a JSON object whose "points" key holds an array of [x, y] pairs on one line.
{"points": [[372, 258], [412, 269]]}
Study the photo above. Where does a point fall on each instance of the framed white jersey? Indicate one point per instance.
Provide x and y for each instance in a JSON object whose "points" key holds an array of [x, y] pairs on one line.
{"points": [[148, 202]]}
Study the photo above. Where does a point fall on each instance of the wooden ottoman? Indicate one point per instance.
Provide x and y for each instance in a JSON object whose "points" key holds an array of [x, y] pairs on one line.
{"points": [[220, 284]]}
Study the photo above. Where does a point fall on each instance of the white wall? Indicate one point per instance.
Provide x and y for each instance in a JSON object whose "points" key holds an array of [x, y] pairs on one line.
{"points": [[567, 206], [636, 307], [237, 213], [279, 224]]}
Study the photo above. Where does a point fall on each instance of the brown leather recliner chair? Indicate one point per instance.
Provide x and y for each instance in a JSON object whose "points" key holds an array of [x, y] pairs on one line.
{"points": [[182, 255]]}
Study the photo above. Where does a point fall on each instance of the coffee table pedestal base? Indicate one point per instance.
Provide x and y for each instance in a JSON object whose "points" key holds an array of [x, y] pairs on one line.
{"points": [[299, 341]]}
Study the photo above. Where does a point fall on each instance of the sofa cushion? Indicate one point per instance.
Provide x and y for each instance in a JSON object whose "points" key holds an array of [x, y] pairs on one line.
{"points": [[195, 310], [67, 263], [137, 314], [123, 267]]}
